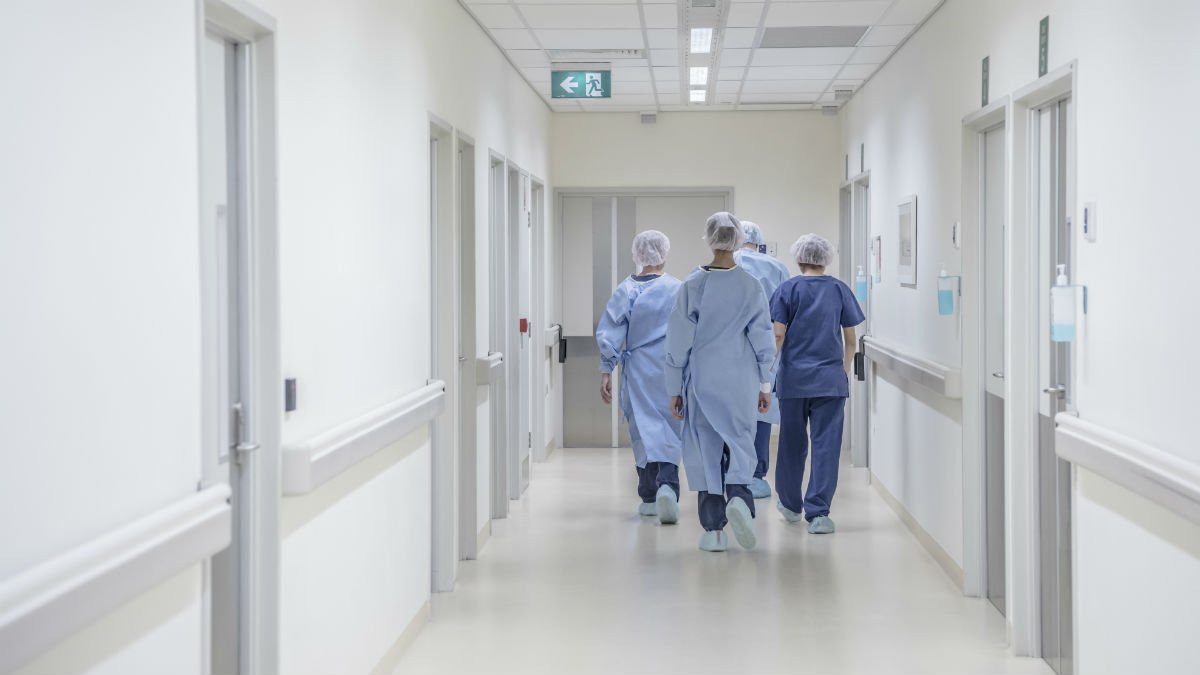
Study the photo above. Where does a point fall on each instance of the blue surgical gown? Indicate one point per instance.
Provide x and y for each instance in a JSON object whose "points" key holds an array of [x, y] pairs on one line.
{"points": [[815, 310], [632, 334], [720, 349], [770, 273]]}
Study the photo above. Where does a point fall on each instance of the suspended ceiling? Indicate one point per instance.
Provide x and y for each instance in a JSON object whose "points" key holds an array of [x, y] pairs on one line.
{"points": [[766, 54]]}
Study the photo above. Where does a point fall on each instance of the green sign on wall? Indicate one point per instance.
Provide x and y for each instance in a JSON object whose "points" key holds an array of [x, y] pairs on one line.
{"points": [[987, 73], [581, 84], [1044, 47]]}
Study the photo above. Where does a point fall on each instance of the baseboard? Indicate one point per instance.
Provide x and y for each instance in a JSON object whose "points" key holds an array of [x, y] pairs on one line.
{"points": [[485, 533], [547, 451], [930, 544], [387, 665]]}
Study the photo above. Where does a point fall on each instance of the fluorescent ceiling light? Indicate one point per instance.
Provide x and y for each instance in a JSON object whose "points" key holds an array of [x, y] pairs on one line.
{"points": [[702, 40], [699, 76], [697, 95]]}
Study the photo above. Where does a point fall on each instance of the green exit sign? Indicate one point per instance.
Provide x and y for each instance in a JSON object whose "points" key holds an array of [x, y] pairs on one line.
{"points": [[581, 84]]}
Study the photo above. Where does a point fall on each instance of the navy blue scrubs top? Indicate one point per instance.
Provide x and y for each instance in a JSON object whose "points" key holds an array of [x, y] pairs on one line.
{"points": [[815, 310]]}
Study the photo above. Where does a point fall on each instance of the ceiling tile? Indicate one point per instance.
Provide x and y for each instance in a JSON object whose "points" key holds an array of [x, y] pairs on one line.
{"points": [[666, 73], [731, 73], [497, 16], [792, 72], [858, 13], [664, 57], [667, 87], [729, 85], [738, 38], [745, 15], [778, 86], [661, 16], [630, 75], [662, 39], [581, 16], [536, 74], [779, 97], [591, 39], [810, 56], [909, 12], [735, 57], [872, 54], [886, 36], [515, 39], [858, 72], [620, 88], [528, 57]]}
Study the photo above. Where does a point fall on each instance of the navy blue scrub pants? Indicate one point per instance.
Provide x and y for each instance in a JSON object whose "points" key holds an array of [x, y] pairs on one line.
{"points": [[654, 476], [712, 506], [821, 419], [762, 448]]}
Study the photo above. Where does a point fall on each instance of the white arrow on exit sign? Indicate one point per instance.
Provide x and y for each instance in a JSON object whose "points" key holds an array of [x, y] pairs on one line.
{"points": [[569, 84]]}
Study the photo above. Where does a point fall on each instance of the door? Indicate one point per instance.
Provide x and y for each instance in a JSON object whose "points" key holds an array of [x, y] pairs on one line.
{"points": [[471, 494], [497, 295], [520, 328], [846, 273], [444, 347], [860, 252], [598, 231], [1053, 137], [992, 172], [225, 242]]}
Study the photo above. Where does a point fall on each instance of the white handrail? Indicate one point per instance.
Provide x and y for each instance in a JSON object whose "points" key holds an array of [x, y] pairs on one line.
{"points": [[943, 379], [552, 333], [308, 464], [1155, 474], [489, 369], [48, 603]]}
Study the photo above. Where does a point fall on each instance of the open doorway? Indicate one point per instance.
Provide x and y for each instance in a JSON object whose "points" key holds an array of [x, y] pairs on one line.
{"points": [[241, 385]]}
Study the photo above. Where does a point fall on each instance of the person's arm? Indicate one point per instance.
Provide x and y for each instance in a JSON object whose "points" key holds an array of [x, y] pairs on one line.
{"points": [[852, 315], [611, 334], [761, 340], [681, 335], [850, 347], [780, 334]]}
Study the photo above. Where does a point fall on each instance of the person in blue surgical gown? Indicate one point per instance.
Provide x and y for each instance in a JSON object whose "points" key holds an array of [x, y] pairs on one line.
{"points": [[632, 334], [815, 315], [770, 273], [720, 353]]}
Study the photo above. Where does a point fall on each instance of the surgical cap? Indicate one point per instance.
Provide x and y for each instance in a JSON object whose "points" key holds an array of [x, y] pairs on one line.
{"points": [[812, 250], [723, 232], [753, 233], [650, 249]]}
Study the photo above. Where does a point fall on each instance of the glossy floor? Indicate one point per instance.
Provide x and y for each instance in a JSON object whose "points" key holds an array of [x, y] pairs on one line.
{"points": [[575, 582]]}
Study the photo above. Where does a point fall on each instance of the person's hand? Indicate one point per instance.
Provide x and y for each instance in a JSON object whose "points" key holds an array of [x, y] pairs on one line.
{"points": [[677, 407], [764, 402], [606, 387]]}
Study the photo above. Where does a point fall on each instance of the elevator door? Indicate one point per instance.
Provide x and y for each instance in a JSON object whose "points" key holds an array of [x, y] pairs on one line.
{"points": [[598, 233]]}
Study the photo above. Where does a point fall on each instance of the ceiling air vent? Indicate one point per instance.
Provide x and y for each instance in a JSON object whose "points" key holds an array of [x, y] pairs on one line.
{"points": [[589, 55], [649, 118], [813, 36], [704, 3]]}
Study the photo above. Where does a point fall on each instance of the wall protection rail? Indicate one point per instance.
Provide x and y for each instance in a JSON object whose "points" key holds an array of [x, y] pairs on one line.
{"points": [[943, 379], [489, 369], [48, 603], [309, 464], [1155, 474]]}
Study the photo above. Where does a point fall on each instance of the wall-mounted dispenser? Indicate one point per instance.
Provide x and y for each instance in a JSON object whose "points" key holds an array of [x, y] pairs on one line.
{"points": [[860, 286], [948, 290], [1062, 308]]}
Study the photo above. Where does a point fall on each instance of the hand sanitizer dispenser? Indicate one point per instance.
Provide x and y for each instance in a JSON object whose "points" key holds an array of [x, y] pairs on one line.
{"points": [[860, 286], [947, 285], [1062, 308]]}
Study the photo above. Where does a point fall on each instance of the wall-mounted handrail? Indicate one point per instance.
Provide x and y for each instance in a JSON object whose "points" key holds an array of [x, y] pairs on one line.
{"points": [[53, 600], [943, 379], [489, 369], [309, 464], [1155, 474], [552, 334]]}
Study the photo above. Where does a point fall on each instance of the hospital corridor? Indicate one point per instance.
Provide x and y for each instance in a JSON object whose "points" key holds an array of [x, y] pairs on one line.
{"points": [[629, 337]]}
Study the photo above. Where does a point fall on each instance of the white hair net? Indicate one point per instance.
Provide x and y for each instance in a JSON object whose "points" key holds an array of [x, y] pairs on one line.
{"points": [[723, 232], [650, 249], [814, 250], [753, 233]]}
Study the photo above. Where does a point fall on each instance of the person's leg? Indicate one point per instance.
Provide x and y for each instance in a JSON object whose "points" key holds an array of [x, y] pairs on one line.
{"points": [[826, 429], [762, 448], [646, 483], [793, 451], [667, 474], [665, 482]]}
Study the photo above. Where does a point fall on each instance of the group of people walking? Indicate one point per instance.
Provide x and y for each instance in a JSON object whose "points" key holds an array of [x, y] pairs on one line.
{"points": [[710, 364]]}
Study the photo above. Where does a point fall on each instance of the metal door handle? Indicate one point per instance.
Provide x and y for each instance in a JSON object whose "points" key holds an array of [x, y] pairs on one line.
{"points": [[462, 359], [998, 376], [1056, 392]]}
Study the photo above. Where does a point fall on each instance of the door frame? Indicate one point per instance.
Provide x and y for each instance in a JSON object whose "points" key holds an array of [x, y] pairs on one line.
{"points": [[257, 521], [537, 291], [466, 399], [513, 363], [498, 327], [974, 355], [859, 253], [1022, 360]]}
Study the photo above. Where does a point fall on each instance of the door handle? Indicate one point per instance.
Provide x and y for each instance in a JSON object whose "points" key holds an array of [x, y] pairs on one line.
{"points": [[1056, 392], [243, 450], [462, 359], [998, 376]]}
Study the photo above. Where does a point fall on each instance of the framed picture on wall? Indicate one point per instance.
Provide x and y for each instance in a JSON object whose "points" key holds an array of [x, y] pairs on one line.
{"points": [[906, 264]]}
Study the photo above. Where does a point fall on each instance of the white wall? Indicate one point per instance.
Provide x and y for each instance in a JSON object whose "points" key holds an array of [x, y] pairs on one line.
{"points": [[784, 167], [99, 284], [1132, 160]]}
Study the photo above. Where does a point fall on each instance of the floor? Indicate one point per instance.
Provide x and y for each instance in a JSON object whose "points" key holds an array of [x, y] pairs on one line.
{"points": [[574, 581]]}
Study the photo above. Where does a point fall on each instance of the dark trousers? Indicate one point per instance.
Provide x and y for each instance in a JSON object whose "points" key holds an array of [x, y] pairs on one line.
{"points": [[762, 448], [654, 476], [802, 418], [712, 506]]}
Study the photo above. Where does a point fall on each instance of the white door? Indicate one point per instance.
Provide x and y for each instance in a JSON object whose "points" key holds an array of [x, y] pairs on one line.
{"points": [[520, 328], [225, 243], [497, 297], [992, 165], [471, 495], [860, 251], [1053, 137]]}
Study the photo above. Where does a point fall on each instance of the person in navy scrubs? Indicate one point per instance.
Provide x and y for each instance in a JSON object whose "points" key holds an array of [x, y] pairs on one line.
{"points": [[814, 316]]}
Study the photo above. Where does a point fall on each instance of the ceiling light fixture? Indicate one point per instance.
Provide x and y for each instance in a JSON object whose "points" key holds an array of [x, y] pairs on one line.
{"points": [[697, 95], [701, 40], [699, 76]]}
